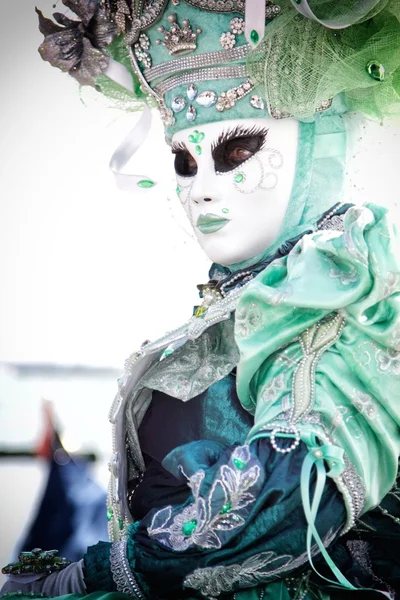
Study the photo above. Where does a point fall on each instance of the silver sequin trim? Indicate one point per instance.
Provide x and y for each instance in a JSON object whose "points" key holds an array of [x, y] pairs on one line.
{"points": [[211, 74], [207, 59], [121, 571]]}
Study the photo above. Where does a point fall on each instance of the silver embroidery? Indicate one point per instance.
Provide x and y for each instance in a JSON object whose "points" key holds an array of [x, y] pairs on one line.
{"points": [[212, 581], [391, 284], [314, 341], [388, 361], [333, 223], [248, 320], [345, 277], [364, 404], [191, 369], [272, 390], [202, 522], [121, 571]]}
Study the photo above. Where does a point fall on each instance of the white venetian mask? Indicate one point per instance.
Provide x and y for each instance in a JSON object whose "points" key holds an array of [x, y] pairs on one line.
{"points": [[234, 182]]}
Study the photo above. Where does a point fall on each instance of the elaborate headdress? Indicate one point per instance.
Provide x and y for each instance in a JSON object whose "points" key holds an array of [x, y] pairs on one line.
{"points": [[201, 61]]}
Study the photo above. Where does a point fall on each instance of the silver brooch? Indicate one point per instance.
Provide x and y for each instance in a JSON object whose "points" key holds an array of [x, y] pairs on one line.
{"points": [[179, 40]]}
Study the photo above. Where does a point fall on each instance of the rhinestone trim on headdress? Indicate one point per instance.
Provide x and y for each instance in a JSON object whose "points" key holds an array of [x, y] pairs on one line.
{"points": [[222, 6], [207, 59], [211, 74]]}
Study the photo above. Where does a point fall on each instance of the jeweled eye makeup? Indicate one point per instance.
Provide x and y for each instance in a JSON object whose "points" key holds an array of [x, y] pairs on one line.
{"points": [[185, 165], [237, 145]]}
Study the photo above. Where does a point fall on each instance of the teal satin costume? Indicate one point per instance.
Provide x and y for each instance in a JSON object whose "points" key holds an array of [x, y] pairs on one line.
{"points": [[325, 388]]}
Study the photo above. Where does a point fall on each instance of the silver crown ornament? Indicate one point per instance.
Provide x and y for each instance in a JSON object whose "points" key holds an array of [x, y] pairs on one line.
{"points": [[179, 40]]}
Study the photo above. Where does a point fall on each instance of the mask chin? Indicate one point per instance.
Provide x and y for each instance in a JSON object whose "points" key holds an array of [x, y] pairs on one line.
{"points": [[237, 207]]}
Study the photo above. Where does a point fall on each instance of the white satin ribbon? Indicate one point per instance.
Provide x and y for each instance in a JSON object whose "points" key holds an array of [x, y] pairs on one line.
{"points": [[122, 155], [254, 18], [344, 21], [131, 144]]}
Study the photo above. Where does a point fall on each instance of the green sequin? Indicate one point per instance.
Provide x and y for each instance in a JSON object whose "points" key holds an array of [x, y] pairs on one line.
{"points": [[376, 70], [189, 527], [121, 524], [226, 508], [110, 513], [225, 210], [239, 177], [239, 464], [254, 36], [178, 189], [198, 149], [145, 183]]}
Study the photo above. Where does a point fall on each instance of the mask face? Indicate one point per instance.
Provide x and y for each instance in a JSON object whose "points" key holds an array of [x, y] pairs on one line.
{"points": [[234, 181]]}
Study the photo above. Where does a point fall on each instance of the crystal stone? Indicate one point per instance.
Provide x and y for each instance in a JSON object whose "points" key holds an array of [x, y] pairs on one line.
{"points": [[189, 527], [191, 91], [207, 99], [257, 102], [239, 464], [376, 70], [178, 104], [254, 36], [191, 114]]}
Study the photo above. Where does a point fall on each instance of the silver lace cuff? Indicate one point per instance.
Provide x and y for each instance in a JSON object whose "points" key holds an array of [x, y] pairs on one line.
{"points": [[121, 571]]}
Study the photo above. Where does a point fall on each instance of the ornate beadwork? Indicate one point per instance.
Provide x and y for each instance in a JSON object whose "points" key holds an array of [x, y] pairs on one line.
{"points": [[237, 25], [227, 40], [203, 522], [223, 6], [228, 99], [143, 18], [179, 40], [140, 50], [211, 582], [210, 74], [36, 561], [121, 571], [207, 59], [286, 431], [314, 342]]}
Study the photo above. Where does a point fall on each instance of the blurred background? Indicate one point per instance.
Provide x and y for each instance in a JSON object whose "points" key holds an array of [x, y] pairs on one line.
{"points": [[88, 272]]}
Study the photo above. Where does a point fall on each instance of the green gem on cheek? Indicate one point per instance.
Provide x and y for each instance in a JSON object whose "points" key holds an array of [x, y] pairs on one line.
{"points": [[189, 527], [239, 177], [178, 189], [225, 210]]}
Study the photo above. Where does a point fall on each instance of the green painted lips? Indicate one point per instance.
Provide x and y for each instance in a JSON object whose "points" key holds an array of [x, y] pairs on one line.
{"points": [[210, 223]]}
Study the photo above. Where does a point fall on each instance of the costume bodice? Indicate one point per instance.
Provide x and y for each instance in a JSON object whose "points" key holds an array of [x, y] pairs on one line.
{"points": [[215, 415]]}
